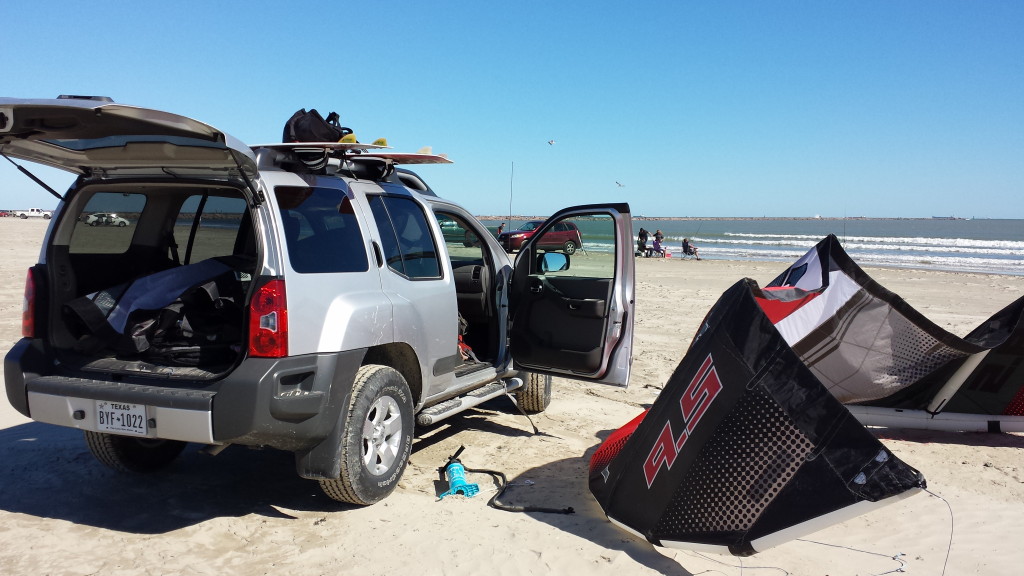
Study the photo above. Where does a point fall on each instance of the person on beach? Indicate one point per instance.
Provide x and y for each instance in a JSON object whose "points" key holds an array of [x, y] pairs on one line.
{"points": [[656, 247], [689, 249], [659, 236], [501, 227], [641, 242]]}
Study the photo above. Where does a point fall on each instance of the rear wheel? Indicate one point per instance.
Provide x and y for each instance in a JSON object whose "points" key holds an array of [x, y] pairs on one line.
{"points": [[569, 247], [535, 395], [128, 454], [377, 439]]}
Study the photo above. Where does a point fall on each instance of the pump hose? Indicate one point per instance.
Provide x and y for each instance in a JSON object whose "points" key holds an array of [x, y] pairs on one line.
{"points": [[499, 477]]}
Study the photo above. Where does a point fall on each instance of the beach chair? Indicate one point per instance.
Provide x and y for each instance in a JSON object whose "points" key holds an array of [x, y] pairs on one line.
{"points": [[688, 251]]}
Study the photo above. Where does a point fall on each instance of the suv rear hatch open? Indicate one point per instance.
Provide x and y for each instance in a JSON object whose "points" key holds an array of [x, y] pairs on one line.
{"points": [[94, 137], [148, 265]]}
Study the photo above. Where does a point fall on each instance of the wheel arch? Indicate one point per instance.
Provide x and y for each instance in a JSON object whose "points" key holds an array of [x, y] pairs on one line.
{"points": [[401, 357]]}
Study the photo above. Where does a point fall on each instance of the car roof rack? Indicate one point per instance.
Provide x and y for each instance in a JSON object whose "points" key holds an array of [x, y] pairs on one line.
{"points": [[80, 97]]}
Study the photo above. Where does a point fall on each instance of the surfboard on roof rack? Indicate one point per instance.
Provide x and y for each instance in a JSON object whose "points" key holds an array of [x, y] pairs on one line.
{"points": [[343, 146], [363, 151], [413, 158]]}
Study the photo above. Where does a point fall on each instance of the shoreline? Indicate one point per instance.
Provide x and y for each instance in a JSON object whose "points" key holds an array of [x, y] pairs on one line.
{"points": [[751, 218], [39, 226]]}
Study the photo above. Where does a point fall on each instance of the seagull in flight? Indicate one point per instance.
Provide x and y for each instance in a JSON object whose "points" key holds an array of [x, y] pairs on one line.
{"points": [[619, 184], [551, 142]]}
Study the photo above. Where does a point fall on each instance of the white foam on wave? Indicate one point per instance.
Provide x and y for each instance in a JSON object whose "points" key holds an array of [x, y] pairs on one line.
{"points": [[1014, 267]]}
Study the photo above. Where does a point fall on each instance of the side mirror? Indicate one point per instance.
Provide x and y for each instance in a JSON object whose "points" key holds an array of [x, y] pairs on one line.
{"points": [[552, 262]]}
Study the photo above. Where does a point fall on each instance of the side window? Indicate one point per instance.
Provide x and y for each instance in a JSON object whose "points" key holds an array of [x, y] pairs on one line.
{"points": [[461, 240], [107, 223], [321, 230], [587, 243], [405, 237], [207, 227]]}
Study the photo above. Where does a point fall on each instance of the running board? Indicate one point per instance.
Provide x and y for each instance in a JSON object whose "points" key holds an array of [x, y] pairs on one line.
{"points": [[448, 408]]}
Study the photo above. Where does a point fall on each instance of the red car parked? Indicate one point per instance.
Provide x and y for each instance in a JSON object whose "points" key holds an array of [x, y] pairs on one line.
{"points": [[565, 236]]}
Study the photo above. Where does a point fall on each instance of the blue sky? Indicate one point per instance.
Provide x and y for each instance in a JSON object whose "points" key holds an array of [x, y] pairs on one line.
{"points": [[866, 108]]}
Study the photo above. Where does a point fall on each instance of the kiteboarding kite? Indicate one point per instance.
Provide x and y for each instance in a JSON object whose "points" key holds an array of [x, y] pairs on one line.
{"points": [[889, 364], [754, 440]]}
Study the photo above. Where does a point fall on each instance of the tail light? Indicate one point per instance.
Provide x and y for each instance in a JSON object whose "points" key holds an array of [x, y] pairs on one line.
{"points": [[268, 321], [28, 307]]}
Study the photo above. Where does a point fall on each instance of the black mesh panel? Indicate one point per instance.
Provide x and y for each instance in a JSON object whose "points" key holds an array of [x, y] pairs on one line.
{"points": [[754, 453]]}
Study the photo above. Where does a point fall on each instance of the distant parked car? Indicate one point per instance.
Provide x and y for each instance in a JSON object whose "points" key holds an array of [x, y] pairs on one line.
{"points": [[33, 213], [105, 219], [564, 236]]}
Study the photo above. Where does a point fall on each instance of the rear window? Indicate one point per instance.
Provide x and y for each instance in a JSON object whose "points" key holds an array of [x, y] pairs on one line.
{"points": [[321, 230], [216, 221], [405, 237], [107, 223]]}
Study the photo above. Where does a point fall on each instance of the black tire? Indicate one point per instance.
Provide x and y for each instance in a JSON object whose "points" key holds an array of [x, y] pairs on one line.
{"points": [[128, 454], [569, 247], [377, 439], [122, 224], [535, 395]]}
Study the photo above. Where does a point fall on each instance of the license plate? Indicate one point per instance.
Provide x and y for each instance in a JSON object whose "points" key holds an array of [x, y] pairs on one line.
{"points": [[121, 418]]}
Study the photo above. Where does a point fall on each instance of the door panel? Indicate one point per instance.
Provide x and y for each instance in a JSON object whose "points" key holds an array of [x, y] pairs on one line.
{"points": [[572, 302], [567, 320]]}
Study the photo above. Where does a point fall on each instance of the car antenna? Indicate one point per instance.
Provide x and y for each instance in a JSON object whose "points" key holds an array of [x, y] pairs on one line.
{"points": [[33, 177]]}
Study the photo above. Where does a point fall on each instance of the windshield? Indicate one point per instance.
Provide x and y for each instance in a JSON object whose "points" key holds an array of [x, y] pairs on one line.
{"points": [[530, 226]]}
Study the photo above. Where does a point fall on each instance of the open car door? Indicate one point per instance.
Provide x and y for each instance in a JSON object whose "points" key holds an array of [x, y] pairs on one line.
{"points": [[571, 303]]}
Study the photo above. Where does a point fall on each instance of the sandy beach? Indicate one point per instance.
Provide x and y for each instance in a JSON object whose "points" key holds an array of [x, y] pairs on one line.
{"points": [[246, 511]]}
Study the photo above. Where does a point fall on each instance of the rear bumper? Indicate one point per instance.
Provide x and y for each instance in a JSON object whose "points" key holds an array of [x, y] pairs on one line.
{"points": [[164, 422], [289, 403]]}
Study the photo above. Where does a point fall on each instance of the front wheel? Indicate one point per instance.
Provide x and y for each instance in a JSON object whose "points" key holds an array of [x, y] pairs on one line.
{"points": [[129, 454], [535, 395], [377, 438]]}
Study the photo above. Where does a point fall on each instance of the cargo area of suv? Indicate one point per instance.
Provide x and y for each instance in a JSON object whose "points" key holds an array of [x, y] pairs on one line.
{"points": [[165, 295]]}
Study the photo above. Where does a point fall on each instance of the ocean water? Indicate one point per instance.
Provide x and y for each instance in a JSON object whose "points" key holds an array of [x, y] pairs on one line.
{"points": [[978, 245]]}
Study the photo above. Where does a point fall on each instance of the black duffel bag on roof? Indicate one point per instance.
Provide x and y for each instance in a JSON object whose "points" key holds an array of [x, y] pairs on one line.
{"points": [[312, 127]]}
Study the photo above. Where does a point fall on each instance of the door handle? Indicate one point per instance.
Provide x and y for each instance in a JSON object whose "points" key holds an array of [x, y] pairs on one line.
{"points": [[377, 254], [537, 288]]}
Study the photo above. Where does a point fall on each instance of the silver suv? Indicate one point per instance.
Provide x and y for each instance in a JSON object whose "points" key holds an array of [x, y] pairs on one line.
{"points": [[314, 298]]}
